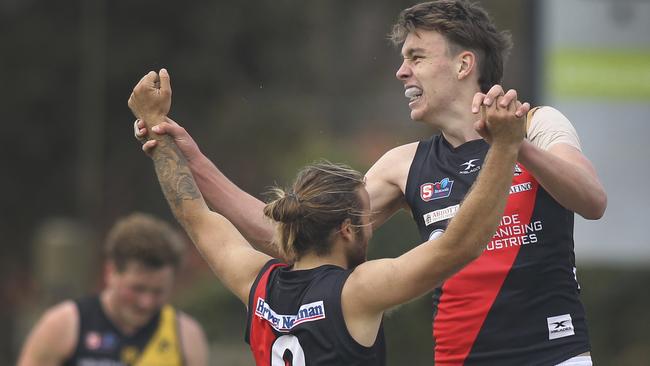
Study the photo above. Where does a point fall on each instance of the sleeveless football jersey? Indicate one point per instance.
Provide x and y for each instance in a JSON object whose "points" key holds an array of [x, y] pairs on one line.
{"points": [[517, 304], [295, 319], [100, 343]]}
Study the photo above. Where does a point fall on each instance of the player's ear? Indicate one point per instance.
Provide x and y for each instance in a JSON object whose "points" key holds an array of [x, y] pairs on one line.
{"points": [[110, 272], [466, 62], [347, 230]]}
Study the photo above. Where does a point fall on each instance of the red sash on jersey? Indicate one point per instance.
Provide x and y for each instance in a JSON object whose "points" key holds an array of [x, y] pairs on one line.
{"points": [[470, 293], [262, 335]]}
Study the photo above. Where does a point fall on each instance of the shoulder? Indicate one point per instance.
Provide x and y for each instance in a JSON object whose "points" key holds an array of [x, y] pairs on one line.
{"points": [[403, 153], [188, 324], [394, 161], [193, 339], [548, 126], [63, 318], [547, 113], [545, 117], [54, 337]]}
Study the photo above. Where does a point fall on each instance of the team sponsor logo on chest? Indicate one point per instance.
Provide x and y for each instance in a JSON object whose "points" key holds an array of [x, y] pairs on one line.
{"points": [[96, 341], [512, 232], [470, 166], [518, 170], [437, 190], [283, 323], [439, 215], [522, 187]]}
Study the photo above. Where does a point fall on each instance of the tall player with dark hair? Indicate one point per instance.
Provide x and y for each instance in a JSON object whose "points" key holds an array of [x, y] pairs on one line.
{"points": [[524, 287], [326, 307]]}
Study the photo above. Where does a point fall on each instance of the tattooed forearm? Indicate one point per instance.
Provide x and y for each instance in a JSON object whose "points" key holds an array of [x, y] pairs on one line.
{"points": [[174, 176]]}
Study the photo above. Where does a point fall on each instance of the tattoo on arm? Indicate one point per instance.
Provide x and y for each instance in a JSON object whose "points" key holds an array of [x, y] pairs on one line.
{"points": [[174, 175]]}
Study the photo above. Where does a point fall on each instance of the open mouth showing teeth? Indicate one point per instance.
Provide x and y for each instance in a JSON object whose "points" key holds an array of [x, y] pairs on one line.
{"points": [[413, 93]]}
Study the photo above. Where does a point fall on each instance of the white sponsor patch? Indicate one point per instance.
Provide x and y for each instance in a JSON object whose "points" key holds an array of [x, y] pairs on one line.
{"points": [[523, 187], [560, 326], [283, 323], [439, 215]]}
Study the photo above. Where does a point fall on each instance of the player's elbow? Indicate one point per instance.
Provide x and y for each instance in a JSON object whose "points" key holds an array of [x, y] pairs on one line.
{"points": [[596, 209]]}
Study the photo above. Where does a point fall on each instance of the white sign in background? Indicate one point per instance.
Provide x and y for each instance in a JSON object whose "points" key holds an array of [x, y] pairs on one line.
{"points": [[615, 132]]}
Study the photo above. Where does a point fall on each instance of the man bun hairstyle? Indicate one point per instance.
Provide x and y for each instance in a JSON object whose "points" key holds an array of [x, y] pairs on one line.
{"points": [[323, 195]]}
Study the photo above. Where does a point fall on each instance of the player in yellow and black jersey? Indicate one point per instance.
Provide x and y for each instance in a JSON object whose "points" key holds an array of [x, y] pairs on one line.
{"points": [[128, 323]]}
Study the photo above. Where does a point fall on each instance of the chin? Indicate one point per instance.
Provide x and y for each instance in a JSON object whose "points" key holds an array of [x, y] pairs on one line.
{"points": [[417, 115], [142, 319]]}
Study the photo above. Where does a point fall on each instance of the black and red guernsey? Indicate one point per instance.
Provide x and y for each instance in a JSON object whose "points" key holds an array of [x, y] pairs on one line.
{"points": [[295, 319], [518, 303]]}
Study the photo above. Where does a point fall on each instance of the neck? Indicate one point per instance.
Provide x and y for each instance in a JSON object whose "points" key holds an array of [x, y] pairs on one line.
{"points": [[311, 260], [460, 134], [456, 120], [107, 300]]}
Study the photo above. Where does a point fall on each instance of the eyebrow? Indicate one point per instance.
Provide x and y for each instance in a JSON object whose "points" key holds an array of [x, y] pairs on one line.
{"points": [[409, 52]]}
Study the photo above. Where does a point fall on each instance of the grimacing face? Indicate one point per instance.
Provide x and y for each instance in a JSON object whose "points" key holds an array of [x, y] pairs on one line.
{"points": [[427, 72], [139, 291]]}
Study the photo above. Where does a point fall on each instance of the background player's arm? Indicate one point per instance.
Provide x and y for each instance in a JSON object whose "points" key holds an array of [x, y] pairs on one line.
{"points": [[53, 339], [381, 284], [229, 255], [386, 182], [193, 341]]}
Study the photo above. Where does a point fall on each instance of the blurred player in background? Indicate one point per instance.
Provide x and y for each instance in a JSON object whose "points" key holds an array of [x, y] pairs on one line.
{"points": [[129, 322]]}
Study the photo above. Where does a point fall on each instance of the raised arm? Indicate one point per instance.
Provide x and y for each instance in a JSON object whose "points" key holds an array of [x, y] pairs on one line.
{"points": [[232, 259], [221, 194], [564, 172], [378, 285]]}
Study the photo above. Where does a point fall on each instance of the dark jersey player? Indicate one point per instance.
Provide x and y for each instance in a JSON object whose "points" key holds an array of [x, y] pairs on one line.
{"points": [[158, 342], [129, 322], [453, 59], [326, 308], [529, 262]]}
